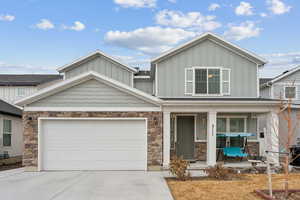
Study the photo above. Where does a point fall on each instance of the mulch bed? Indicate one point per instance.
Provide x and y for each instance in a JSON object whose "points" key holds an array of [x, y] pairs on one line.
{"points": [[279, 194], [208, 189], [11, 166]]}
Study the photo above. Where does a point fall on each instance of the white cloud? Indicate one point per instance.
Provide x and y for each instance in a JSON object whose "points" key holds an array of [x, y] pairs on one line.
{"points": [[213, 6], [244, 8], [25, 69], [172, 1], [134, 61], [280, 62], [277, 7], [263, 15], [149, 40], [136, 3], [7, 18], [78, 26], [193, 20], [45, 24], [245, 30]]}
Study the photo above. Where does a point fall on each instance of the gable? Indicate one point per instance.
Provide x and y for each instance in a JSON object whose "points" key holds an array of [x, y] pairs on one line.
{"points": [[293, 77], [102, 65], [91, 93], [220, 41], [171, 71]]}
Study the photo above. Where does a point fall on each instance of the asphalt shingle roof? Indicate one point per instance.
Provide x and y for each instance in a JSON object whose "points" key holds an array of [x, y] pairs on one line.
{"points": [[6, 108], [27, 79]]}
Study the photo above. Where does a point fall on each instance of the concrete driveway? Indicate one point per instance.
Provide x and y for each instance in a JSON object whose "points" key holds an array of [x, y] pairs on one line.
{"points": [[85, 185]]}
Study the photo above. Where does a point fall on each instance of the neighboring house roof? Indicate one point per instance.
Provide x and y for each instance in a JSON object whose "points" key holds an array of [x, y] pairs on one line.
{"points": [[8, 109], [27, 79], [81, 78], [252, 56], [143, 74], [76, 62], [264, 80]]}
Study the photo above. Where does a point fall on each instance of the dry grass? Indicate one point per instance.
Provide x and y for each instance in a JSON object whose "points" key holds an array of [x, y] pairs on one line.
{"points": [[227, 190]]}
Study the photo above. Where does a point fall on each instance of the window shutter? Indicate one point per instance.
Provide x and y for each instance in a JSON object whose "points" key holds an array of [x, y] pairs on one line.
{"points": [[188, 87], [226, 81]]}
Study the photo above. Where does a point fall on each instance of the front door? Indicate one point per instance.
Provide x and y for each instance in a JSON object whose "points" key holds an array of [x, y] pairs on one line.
{"points": [[185, 137]]}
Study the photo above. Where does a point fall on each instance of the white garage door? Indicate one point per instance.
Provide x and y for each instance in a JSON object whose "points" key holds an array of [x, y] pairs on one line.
{"points": [[77, 144]]}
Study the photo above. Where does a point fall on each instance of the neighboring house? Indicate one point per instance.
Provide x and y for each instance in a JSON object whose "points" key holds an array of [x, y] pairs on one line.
{"points": [[285, 86], [11, 130], [106, 115], [14, 86]]}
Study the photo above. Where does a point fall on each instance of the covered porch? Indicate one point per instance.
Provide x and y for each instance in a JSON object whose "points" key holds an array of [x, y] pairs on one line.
{"points": [[196, 133]]}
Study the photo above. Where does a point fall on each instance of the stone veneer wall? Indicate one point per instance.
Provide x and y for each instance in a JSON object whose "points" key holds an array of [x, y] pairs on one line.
{"points": [[30, 123], [200, 151], [253, 148]]}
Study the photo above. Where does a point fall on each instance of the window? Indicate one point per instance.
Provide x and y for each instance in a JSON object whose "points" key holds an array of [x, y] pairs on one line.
{"points": [[6, 132], [290, 92], [221, 125], [237, 125], [21, 92], [207, 81]]}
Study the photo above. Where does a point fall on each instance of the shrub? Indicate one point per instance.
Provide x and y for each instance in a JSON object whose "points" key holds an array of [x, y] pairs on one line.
{"points": [[219, 172], [179, 168]]}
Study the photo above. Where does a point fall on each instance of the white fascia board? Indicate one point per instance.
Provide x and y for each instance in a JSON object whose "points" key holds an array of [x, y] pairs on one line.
{"points": [[264, 61], [63, 68], [94, 109], [142, 77], [83, 77], [168, 103], [295, 69]]}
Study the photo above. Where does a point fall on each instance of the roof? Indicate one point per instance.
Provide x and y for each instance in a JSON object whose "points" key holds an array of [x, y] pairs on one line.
{"points": [[27, 79], [8, 109], [143, 73], [285, 74], [55, 88], [254, 57], [264, 80], [93, 54]]}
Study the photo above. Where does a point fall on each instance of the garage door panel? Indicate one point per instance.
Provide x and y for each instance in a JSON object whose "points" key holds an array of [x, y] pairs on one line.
{"points": [[94, 144]]}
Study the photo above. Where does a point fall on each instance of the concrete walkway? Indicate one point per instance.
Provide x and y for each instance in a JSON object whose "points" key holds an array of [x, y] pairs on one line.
{"points": [[87, 185]]}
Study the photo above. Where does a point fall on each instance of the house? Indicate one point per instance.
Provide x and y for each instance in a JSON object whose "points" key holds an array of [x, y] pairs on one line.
{"points": [[285, 86], [106, 115], [16, 86], [11, 131]]}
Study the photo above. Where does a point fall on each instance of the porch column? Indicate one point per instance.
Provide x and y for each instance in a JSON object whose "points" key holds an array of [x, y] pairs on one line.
{"points": [[272, 138], [211, 138], [166, 139]]}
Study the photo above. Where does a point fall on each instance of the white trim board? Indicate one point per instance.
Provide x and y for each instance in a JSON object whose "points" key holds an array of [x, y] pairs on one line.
{"points": [[97, 52], [95, 109], [40, 119], [82, 78]]}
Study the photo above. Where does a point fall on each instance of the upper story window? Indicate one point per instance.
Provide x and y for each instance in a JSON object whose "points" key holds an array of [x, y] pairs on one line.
{"points": [[207, 81], [21, 92], [290, 92]]}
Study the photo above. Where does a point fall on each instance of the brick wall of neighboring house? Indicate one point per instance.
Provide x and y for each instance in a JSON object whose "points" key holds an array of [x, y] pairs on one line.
{"points": [[30, 122]]}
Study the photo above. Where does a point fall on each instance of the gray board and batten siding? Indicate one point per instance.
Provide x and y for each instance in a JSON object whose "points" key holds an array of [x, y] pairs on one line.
{"points": [[171, 70]]}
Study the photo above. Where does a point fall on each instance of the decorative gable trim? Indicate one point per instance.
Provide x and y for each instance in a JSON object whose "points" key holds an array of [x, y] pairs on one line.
{"points": [[97, 52], [82, 78]]}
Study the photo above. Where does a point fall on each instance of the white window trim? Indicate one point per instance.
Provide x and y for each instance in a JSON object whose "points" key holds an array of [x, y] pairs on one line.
{"points": [[188, 81], [195, 126], [221, 68], [296, 96], [229, 86], [6, 133]]}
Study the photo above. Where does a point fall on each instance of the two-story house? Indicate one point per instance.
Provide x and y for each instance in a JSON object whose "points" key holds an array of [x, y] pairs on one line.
{"points": [[14, 87], [106, 115], [286, 86]]}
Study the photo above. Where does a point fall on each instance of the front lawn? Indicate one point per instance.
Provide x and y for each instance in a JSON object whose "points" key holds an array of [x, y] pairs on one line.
{"points": [[227, 190]]}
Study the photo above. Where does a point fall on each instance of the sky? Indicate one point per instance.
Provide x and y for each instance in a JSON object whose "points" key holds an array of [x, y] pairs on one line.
{"points": [[38, 36]]}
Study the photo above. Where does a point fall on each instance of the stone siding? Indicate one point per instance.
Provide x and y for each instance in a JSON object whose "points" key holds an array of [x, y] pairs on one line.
{"points": [[200, 151], [30, 122]]}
